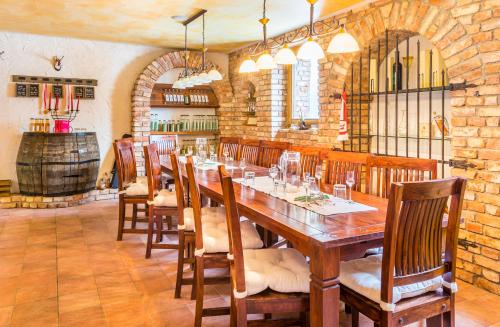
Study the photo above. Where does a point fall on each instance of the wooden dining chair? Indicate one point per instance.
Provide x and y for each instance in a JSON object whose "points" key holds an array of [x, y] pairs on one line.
{"points": [[263, 281], [229, 144], [383, 170], [249, 150], [270, 152], [164, 143], [132, 190], [211, 245], [184, 226], [310, 157], [338, 163], [411, 280], [161, 202]]}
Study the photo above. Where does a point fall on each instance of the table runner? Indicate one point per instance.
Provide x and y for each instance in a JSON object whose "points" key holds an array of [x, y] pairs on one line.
{"points": [[331, 205], [207, 165]]}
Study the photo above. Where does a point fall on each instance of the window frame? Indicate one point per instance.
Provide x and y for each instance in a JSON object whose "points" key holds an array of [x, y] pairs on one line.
{"points": [[290, 103]]}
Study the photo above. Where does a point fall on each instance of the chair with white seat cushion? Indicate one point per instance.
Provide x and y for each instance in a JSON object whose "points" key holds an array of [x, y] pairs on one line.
{"points": [[162, 203], [133, 189], [186, 225], [411, 272], [264, 281], [211, 245]]}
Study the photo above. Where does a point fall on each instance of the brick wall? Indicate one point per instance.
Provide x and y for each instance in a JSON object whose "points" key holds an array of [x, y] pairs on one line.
{"points": [[141, 110], [467, 34]]}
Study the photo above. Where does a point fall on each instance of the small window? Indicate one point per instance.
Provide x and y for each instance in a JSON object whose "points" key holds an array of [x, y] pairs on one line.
{"points": [[303, 84]]}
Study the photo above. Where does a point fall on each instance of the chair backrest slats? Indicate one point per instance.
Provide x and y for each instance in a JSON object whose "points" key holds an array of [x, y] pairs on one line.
{"points": [[179, 187], [413, 232], [125, 162], [270, 152], [194, 192], [229, 144], [249, 150], [164, 143], [153, 169], [383, 170], [310, 157], [234, 231], [338, 163]]}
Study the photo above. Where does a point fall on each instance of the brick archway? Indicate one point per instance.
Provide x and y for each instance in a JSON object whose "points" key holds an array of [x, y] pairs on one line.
{"points": [[142, 92], [462, 56]]}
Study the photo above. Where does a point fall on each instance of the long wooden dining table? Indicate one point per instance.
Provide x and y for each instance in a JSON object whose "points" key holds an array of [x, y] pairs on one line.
{"points": [[326, 240]]}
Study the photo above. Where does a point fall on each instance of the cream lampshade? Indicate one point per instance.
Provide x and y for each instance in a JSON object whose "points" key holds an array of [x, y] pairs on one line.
{"points": [[285, 56], [265, 61], [310, 50], [248, 66], [343, 42]]}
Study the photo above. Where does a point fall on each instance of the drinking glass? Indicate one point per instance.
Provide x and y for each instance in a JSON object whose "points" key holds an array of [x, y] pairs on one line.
{"points": [[202, 157], [225, 153], [243, 165], [273, 172], [249, 178], [213, 157], [306, 185], [350, 182], [339, 191], [314, 189]]}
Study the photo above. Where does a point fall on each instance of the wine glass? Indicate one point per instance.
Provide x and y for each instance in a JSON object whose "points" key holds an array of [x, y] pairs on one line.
{"points": [[243, 165], [350, 182], [190, 150], [225, 153], [273, 173]]}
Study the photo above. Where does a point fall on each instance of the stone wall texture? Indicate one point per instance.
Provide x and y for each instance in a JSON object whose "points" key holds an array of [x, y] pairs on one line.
{"points": [[467, 35]]}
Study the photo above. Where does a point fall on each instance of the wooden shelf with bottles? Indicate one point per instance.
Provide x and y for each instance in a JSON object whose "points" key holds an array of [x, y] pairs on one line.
{"points": [[186, 133], [202, 96]]}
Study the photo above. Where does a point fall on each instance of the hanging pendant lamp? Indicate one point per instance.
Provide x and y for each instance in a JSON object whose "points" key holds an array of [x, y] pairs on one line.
{"points": [[343, 42], [285, 56], [311, 50], [265, 61], [248, 66]]}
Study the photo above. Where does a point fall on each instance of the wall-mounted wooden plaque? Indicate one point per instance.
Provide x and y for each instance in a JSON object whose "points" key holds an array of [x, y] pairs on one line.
{"points": [[89, 93], [21, 90], [79, 92], [33, 90], [57, 91]]}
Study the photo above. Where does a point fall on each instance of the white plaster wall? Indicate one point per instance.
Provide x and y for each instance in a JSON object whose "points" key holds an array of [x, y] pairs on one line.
{"points": [[116, 67]]}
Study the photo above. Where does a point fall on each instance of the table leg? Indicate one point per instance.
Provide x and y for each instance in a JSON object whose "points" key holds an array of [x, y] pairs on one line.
{"points": [[325, 290]]}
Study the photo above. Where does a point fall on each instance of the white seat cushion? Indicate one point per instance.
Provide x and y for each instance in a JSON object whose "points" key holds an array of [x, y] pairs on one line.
{"points": [[363, 276], [135, 189], [215, 236], [212, 214], [282, 270], [142, 179], [165, 198]]}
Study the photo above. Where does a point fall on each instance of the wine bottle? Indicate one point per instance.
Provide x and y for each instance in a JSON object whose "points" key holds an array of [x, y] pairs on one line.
{"points": [[399, 75]]}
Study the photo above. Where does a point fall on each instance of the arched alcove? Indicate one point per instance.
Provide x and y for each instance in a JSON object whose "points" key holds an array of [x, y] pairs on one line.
{"points": [[141, 110]]}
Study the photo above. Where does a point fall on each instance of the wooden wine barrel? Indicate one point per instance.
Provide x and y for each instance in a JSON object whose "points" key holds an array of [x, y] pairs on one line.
{"points": [[57, 164]]}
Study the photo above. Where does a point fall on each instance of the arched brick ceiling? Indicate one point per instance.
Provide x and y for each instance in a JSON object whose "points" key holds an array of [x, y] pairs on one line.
{"points": [[230, 23]]}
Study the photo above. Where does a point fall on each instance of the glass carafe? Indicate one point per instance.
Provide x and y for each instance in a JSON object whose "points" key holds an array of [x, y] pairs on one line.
{"points": [[291, 170]]}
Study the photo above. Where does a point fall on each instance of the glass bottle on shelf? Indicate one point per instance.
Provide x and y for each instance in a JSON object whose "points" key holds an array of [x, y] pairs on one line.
{"points": [[187, 99], [399, 76], [32, 125]]}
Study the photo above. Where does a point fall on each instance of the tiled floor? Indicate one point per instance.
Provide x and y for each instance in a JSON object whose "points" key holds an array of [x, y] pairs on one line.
{"points": [[63, 267]]}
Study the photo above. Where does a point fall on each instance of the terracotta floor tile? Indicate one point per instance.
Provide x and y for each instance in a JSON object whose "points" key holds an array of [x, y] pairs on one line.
{"points": [[41, 313], [102, 282], [79, 301], [76, 285], [29, 292], [115, 278], [92, 316], [5, 316]]}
